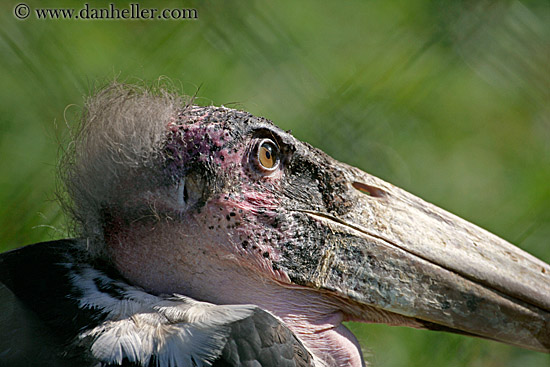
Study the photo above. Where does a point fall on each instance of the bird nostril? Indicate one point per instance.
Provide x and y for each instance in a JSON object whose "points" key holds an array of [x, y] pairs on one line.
{"points": [[369, 190]]}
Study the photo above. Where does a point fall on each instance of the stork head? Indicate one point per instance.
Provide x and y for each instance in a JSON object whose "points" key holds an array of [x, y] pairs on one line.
{"points": [[226, 207]]}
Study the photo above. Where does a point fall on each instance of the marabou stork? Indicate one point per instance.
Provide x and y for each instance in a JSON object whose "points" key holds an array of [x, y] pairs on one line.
{"points": [[209, 236]]}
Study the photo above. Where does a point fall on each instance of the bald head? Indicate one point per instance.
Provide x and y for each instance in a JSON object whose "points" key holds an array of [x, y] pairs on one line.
{"points": [[226, 207]]}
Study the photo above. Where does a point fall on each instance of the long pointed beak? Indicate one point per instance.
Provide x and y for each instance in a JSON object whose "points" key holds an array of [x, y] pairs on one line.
{"points": [[401, 254]]}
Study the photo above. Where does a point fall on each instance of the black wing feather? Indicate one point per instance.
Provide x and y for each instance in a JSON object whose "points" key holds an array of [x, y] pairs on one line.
{"points": [[40, 317], [263, 340]]}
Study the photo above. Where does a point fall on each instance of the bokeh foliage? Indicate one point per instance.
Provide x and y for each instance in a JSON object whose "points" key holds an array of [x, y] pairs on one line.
{"points": [[448, 99]]}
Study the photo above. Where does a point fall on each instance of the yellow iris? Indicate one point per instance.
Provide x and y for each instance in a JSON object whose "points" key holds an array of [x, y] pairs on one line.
{"points": [[267, 155]]}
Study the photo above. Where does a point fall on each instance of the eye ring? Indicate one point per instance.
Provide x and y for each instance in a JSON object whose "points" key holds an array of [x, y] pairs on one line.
{"points": [[267, 155]]}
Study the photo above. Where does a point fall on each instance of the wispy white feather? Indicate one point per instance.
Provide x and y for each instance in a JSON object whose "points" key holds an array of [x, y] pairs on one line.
{"points": [[175, 330]]}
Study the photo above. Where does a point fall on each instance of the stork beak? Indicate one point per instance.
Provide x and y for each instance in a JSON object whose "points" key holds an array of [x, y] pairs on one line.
{"points": [[403, 255]]}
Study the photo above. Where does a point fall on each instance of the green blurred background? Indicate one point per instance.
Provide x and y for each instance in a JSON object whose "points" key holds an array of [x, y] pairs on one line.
{"points": [[449, 100]]}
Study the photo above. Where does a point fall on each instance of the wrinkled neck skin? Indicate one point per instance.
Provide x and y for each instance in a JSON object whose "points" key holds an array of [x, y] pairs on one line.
{"points": [[153, 262]]}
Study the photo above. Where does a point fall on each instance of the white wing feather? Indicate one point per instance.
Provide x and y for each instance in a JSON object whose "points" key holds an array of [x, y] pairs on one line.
{"points": [[138, 326]]}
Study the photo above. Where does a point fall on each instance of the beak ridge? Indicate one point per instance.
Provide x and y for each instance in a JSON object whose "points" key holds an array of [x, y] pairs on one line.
{"points": [[403, 255]]}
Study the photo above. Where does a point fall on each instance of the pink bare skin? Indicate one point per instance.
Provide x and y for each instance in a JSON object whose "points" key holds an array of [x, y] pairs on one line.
{"points": [[225, 207], [186, 262], [221, 227], [224, 252]]}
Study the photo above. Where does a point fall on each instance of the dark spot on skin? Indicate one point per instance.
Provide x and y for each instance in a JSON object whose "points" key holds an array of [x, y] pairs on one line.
{"points": [[222, 158], [445, 305], [228, 217], [275, 267], [244, 244], [211, 227], [232, 214], [265, 254], [254, 247]]}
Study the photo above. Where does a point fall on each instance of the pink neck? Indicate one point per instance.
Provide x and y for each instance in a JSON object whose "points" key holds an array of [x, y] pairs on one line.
{"points": [[155, 264]]}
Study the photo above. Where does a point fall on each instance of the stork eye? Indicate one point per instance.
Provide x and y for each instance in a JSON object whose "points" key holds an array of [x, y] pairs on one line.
{"points": [[268, 155]]}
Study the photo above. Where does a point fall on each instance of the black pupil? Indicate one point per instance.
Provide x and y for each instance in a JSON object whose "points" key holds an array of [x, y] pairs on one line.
{"points": [[268, 152]]}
